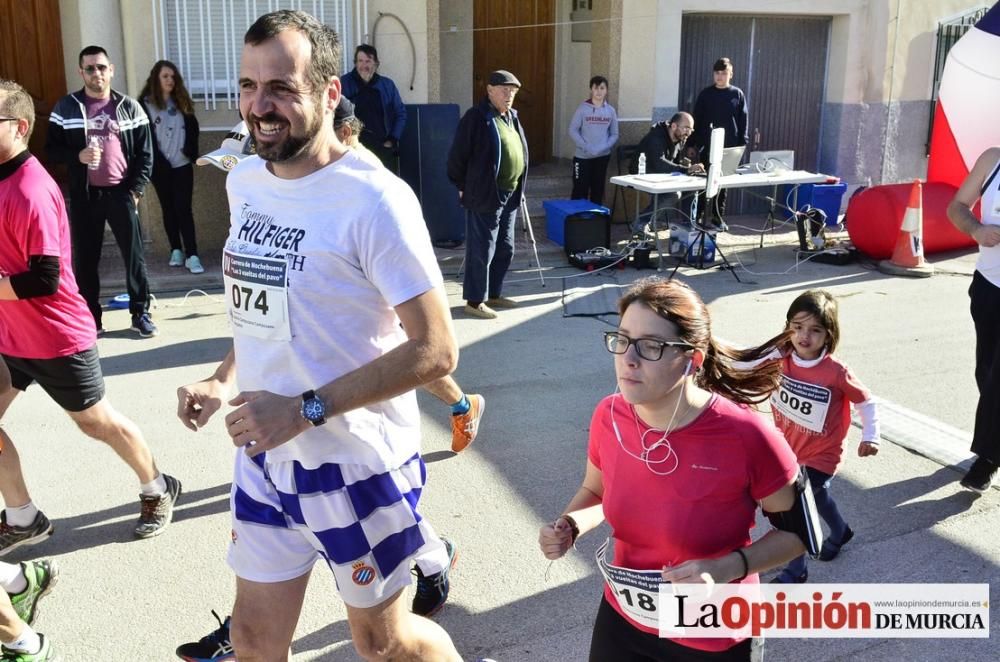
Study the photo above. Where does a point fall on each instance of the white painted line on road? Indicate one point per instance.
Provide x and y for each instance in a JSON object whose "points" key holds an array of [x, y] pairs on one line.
{"points": [[922, 434]]}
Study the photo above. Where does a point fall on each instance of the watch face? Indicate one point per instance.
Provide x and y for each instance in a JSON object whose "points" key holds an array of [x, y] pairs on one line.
{"points": [[313, 409]]}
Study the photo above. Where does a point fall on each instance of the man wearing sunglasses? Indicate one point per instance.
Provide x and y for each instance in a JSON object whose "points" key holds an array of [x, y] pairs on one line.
{"points": [[103, 138]]}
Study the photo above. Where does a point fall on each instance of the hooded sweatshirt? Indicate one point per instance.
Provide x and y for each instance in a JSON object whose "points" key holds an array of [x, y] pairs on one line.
{"points": [[594, 130]]}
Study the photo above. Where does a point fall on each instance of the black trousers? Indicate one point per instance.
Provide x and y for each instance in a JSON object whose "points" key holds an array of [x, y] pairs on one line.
{"points": [[617, 640], [114, 206], [175, 188], [589, 177], [387, 155], [985, 306]]}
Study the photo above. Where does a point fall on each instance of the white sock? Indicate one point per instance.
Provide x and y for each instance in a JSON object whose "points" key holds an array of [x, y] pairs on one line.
{"points": [[155, 487], [21, 516], [26, 642], [12, 579]]}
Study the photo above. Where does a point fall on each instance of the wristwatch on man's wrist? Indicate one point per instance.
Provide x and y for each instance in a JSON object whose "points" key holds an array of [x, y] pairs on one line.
{"points": [[313, 409]]}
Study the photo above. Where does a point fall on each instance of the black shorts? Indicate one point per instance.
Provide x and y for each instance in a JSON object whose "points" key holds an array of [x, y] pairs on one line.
{"points": [[75, 382], [617, 640]]}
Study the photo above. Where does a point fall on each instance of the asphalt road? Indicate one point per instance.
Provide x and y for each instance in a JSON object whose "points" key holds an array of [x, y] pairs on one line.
{"points": [[119, 599]]}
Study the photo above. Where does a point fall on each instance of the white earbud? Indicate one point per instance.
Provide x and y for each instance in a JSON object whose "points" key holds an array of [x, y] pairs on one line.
{"points": [[687, 368]]}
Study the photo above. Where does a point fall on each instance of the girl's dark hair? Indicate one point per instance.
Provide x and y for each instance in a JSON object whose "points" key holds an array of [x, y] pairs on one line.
{"points": [[821, 305], [677, 303], [722, 64], [152, 90], [597, 80]]}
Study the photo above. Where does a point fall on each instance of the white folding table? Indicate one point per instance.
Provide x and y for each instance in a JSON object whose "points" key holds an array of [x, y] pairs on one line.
{"points": [[657, 184]]}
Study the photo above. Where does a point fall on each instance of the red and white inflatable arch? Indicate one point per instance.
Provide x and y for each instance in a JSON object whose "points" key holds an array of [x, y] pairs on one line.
{"points": [[966, 123]]}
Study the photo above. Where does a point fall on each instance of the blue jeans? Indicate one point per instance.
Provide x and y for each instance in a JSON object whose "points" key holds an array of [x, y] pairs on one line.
{"points": [[489, 248], [827, 509]]}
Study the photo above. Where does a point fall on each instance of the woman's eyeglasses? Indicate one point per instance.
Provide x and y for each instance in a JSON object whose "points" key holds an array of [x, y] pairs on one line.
{"points": [[650, 349]]}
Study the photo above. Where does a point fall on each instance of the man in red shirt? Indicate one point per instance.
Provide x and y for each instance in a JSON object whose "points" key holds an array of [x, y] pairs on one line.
{"points": [[47, 334]]}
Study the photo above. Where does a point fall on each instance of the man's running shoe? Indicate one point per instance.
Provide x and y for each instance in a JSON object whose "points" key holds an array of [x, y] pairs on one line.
{"points": [[46, 653], [212, 647], [143, 324], [432, 590], [12, 537], [41, 577], [980, 476], [157, 511], [465, 427]]}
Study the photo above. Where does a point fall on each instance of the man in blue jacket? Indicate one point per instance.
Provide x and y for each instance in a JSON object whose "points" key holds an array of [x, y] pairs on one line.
{"points": [[488, 163], [377, 104]]}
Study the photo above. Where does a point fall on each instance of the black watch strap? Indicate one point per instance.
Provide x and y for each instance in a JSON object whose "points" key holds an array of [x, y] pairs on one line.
{"points": [[306, 397]]}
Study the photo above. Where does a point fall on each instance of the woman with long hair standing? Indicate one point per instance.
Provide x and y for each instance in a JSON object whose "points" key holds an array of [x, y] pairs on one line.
{"points": [[175, 148]]}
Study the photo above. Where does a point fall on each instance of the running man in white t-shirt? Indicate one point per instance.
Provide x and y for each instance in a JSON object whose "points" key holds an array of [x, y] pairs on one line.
{"points": [[322, 264]]}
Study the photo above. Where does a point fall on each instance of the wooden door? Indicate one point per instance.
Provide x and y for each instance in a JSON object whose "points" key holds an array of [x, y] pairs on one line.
{"points": [[31, 54], [519, 37]]}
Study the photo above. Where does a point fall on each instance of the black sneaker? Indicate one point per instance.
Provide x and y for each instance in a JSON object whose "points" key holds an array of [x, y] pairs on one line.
{"points": [[785, 577], [157, 511], [12, 537], [212, 647], [831, 549], [432, 590], [144, 325], [980, 476]]}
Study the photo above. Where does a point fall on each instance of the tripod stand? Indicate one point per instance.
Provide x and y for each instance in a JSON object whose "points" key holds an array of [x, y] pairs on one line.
{"points": [[703, 233], [528, 230]]}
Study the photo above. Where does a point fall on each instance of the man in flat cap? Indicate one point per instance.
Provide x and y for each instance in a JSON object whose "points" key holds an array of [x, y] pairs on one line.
{"points": [[488, 163]]}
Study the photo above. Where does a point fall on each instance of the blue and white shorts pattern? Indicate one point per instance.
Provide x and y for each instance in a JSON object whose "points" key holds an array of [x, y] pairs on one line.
{"points": [[365, 525]]}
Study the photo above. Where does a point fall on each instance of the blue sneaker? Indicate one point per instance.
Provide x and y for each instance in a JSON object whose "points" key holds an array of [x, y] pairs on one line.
{"points": [[432, 590], [144, 325], [213, 647]]}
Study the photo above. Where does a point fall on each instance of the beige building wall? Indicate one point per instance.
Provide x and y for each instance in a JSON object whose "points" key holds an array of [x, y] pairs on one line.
{"points": [[573, 69], [455, 39], [910, 42], [92, 22], [403, 59]]}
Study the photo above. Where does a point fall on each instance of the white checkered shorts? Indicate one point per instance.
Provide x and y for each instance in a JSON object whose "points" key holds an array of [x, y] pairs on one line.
{"points": [[365, 525]]}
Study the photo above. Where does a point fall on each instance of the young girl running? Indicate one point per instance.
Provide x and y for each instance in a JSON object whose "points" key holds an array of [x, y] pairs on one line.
{"points": [[812, 408]]}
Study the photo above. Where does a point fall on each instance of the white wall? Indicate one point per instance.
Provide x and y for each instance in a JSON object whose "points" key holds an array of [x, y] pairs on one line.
{"points": [[394, 47]]}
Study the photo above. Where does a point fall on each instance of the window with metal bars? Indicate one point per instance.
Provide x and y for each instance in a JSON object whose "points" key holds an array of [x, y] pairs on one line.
{"points": [[948, 33], [204, 38]]}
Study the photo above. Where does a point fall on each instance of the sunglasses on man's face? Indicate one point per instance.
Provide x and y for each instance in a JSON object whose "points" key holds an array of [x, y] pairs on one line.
{"points": [[94, 68]]}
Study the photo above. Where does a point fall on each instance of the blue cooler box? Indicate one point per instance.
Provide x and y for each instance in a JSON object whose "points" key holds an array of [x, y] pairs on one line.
{"points": [[556, 212], [822, 196]]}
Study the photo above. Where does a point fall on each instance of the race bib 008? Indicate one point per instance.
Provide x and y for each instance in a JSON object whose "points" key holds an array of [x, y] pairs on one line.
{"points": [[802, 403]]}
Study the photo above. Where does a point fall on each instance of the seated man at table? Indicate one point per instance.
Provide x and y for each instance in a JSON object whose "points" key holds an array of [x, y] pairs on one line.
{"points": [[664, 147]]}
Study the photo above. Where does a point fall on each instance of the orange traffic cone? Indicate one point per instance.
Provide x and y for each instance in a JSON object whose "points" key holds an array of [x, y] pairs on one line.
{"points": [[908, 256]]}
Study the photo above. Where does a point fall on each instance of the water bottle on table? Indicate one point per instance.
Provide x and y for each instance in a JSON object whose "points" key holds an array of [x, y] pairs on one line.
{"points": [[642, 163]]}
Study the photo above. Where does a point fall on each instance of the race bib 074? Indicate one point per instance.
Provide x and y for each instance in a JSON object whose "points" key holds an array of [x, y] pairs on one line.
{"points": [[257, 295]]}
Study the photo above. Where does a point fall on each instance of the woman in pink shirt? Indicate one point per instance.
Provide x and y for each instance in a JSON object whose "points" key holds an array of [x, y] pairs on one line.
{"points": [[677, 464]]}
